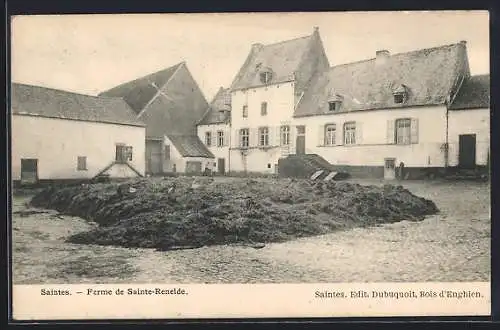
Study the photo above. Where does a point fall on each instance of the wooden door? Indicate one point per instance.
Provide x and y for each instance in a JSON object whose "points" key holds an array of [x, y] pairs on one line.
{"points": [[301, 140], [154, 157], [221, 165], [29, 170], [467, 151], [389, 168]]}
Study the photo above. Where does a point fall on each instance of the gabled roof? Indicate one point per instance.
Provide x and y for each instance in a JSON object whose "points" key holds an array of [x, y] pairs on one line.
{"points": [[190, 146], [428, 75], [474, 93], [218, 111], [282, 58], [139, 92], [54, 103]]}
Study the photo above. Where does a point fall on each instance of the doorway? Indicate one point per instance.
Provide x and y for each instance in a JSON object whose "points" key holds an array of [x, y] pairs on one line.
{"points": [[390, 168], [29, 170], [154, 161], [467, 151], [221, 165], [301, 140]]}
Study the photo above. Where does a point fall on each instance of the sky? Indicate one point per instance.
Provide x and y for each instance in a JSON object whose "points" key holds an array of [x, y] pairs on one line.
{"points": [[91, 53]]}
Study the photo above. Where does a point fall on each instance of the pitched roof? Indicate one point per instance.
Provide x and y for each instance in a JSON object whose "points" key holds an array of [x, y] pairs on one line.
{"points": [[139, 92], [474, 93], [54, 103], [220, 103], [190, 146], [282, 58], [428, 75]]}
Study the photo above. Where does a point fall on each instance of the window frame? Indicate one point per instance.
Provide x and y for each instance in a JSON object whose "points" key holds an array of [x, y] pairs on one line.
{"points": [[208, 139], [284, 133], [263, 109], [263, 136], [330, 139], [349, 129], [244, 136], [399, 95], [79, 161], [336, 106], [220, 138], [266, 77], [245, 111], [123, 153], [406, 139]]}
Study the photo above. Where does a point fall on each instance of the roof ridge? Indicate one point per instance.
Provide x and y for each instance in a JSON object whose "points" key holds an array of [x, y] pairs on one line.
{"points": [[143, 77], [285, 41], [68, 92], [398, 54]]}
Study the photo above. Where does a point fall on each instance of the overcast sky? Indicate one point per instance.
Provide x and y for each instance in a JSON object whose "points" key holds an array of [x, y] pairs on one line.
{"points": [[91, 53]]}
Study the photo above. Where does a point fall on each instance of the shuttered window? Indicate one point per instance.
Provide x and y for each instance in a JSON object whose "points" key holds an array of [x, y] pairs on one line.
{"points": [[263, 136], [81, 163], [244, 137], [245, 111], [402, 131]]}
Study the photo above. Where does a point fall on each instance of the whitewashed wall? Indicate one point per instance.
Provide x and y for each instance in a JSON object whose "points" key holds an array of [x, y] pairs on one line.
{"points": [[219, 152], [58, 143], [373, 143], [180, 161], [280, 106], [470, 121]]}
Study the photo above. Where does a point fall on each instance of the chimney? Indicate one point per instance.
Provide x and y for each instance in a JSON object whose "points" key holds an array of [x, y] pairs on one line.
{"points": [[381, 56], [463, 42], [316, 29], [257, 46]]}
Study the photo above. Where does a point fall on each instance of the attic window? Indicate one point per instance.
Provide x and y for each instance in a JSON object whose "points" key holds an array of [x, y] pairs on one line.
{"points": [[334, 106], [266, 76], [400, 94]]}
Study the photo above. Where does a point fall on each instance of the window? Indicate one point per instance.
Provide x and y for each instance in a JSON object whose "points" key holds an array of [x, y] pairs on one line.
{"points": [[334, 106], [263, 109], [167, 152], [82, 163], [350, 133], [263, 136], [284, 135], [245, 111], [244, 138], [265, 77], [403, 131], [123, 153], [220, 138], [399, 98], [330, 130], [208, 138]]}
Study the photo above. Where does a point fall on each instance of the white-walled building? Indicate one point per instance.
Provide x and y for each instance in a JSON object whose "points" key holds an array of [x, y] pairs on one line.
{"points": [[215, 131], [59, 135], [366, 117]]}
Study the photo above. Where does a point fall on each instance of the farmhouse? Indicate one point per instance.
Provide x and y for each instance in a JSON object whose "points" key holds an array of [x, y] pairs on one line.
{"points": [[170, 103], [59, 135], [215, 131], [420, 109]]}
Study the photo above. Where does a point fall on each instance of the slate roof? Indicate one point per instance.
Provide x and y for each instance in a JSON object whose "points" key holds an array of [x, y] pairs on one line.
{"points": [[221, 102], [139, 92], [54, 103], [190, 146], [428, 75], [283, 58], [474, 93]]}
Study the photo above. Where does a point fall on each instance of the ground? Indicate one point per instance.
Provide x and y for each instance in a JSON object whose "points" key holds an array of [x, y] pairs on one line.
{"points": [[451, 246]]}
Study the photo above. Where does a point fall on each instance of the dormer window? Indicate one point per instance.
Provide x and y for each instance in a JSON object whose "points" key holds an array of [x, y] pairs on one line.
{"points": [[266, 76], [400, 94], [335, 102], [334, 106]]}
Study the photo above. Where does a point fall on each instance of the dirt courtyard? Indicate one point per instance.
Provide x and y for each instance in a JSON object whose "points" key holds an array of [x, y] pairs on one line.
{"points": [[451, 246]]}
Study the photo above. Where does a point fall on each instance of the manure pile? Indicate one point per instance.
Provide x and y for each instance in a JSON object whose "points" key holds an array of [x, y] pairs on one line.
{"points": [[170, 213]]}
